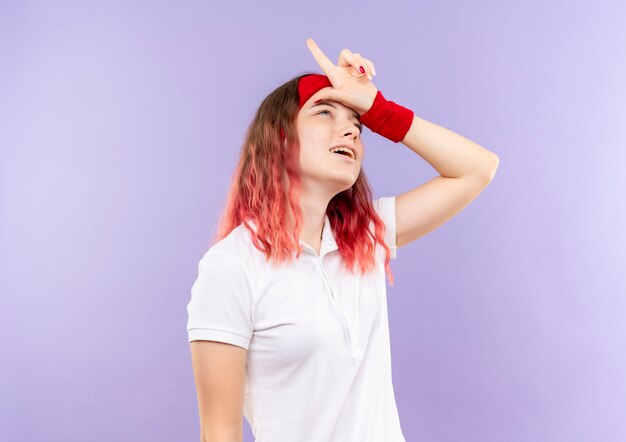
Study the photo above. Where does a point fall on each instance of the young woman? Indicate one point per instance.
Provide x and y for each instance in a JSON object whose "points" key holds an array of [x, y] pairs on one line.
{"points": [[288, 315]]}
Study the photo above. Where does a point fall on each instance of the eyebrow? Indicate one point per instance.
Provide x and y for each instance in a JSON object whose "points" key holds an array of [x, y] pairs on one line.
{"points": [[329, 103]]}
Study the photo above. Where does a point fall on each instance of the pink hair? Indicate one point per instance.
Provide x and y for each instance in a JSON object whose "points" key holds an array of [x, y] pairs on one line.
{"points": [[258, 191]]}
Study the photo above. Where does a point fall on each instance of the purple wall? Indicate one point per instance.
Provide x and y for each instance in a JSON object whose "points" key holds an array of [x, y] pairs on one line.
{"points": [[120, 124]]}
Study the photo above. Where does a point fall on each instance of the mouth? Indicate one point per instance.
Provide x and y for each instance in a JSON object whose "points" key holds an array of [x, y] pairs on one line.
{"points": [[345, 151]]}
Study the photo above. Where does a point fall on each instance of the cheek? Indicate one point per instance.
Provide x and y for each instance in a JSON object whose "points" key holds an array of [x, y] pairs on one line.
{"points": [[312, 135], [309, 154], [313, 141]]}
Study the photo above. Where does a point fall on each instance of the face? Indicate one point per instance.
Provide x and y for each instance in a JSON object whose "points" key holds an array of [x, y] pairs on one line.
{"points": [[321, 127]]}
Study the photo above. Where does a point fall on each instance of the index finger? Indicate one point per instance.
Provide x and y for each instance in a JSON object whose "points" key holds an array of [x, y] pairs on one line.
{"points": [[320, 57]]}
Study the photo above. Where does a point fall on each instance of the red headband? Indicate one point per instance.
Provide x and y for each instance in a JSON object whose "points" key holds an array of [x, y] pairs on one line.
{"points": [[310, 84]]}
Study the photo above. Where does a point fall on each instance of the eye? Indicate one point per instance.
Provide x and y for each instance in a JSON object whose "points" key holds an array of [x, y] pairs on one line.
{"points": [[358, 126]]}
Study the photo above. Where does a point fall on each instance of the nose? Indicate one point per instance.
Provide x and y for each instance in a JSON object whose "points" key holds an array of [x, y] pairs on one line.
{"points": [[349, 129]]}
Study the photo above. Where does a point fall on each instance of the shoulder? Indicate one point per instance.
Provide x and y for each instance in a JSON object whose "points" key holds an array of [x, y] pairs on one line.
{"points": [[238, 249], [235, 243], [385, 205]]}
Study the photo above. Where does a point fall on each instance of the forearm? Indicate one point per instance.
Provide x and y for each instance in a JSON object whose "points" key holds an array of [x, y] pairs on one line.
{"points": [[451, 154]]}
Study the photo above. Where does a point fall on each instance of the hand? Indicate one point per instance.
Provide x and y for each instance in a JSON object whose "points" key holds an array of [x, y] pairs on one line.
{"points": [[351, 87]]}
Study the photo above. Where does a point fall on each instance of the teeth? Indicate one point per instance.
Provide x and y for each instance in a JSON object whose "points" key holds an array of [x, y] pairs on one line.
{"points": [[343, 149]]}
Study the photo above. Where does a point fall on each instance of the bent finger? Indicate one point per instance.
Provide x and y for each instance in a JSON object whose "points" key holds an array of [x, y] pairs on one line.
{"points": [[368, 66], [347, 58]]}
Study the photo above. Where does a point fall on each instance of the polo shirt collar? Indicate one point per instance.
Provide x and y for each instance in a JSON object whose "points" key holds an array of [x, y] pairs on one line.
{"points": [[328, 243]]}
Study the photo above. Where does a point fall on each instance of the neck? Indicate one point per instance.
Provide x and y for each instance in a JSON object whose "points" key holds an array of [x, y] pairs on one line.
{"points": [[313, 216]]}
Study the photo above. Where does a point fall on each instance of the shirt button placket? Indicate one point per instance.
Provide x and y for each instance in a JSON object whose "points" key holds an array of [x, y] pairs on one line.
{"points": [[355, 341], [347, 322]]}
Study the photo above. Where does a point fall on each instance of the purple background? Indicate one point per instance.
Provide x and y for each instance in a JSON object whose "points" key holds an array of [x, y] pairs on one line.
{"points": [[120, 124]]}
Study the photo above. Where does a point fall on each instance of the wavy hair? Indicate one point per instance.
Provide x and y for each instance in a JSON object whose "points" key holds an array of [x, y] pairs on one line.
{"points": [[259, 191]]}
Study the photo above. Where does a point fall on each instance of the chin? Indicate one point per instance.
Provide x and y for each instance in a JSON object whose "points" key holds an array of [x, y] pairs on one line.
{"points": [[348, 186]]}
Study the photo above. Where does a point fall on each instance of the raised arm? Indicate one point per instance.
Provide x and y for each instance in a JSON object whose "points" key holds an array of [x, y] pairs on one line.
{"points": [[465, 169]]}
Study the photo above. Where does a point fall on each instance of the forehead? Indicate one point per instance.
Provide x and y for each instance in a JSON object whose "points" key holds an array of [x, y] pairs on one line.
{"points": [[320, 95]]}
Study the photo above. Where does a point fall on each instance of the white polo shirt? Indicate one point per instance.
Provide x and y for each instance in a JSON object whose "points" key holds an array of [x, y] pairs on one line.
{"points": [[318, 362]]}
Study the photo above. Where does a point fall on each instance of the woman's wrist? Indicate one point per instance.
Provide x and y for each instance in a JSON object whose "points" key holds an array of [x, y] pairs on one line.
{"points": [[388, 119]]}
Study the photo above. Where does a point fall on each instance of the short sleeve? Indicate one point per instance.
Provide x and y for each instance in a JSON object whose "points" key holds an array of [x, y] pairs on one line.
{"points": [[386, 208], [220, 305]]}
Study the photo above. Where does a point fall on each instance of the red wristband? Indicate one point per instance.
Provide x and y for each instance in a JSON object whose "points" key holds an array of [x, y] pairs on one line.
{"points": [[388, 119]]}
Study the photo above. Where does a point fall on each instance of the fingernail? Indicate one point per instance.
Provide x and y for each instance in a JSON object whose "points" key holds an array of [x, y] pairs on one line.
{"points": [[361, 69], [373, 71]]}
